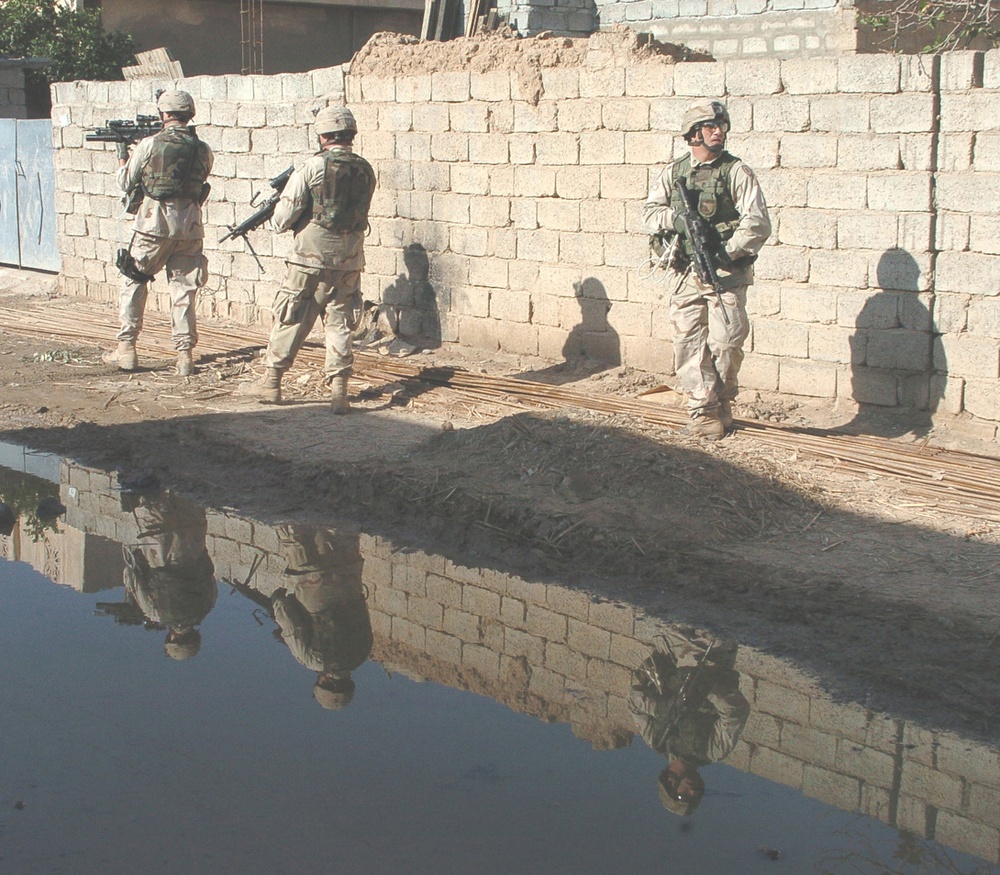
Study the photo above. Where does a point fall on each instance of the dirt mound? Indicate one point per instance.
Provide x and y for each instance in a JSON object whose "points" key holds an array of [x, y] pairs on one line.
{"points": [[391, 54]]}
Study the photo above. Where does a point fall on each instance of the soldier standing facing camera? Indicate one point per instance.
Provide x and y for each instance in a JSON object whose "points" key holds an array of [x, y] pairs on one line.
{"points": [[164, 181], [708, 200]]}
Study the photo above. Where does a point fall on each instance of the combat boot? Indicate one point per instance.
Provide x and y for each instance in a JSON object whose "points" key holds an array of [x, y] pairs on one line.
{"points": [[726, 414], [124, 358], [268, 390], [709, 428], [338, 394], [185, 363]]}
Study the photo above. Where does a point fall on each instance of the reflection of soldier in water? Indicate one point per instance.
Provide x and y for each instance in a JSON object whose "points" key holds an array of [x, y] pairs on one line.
{"points": [[687, 703], [168, 571], [321, 609]]}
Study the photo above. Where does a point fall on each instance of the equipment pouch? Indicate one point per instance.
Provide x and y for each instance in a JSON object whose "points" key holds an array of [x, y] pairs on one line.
{"points": [[133, 200], [288, 308], [128, 268]]}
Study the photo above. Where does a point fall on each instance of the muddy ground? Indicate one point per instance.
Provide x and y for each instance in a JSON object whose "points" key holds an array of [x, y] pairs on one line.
{"points": [[885, 600]]}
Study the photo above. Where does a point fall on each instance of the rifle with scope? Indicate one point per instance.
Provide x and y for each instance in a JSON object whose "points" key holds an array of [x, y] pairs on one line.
{"points": [[264, 211], [123, 130], [701, 237]]}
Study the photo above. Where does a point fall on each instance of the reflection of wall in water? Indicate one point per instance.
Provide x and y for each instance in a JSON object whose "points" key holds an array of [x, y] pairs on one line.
{"points": [[552, 652]]}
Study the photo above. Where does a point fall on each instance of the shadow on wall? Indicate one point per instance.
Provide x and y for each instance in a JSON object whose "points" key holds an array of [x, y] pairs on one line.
{"points": [[892, 355], [410, 303], [592, 346]]}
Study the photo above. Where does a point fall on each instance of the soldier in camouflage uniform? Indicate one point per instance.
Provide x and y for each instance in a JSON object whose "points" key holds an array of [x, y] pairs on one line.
{"points": [[687, 705], [165, 181], [321, 609], [708, 350], [168, 572], [325, 203]]}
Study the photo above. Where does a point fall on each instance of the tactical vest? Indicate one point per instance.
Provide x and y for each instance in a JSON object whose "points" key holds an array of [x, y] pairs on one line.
{"points": [[710, 190], [177, 166], [341, 201]]}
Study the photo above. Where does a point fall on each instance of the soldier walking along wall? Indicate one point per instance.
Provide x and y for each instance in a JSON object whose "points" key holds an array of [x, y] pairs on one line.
{"points": [[512, 175]]}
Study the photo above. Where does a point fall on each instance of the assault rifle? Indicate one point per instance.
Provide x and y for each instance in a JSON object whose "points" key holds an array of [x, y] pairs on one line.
{"points": [[123, 130], [701, 237], [264, 212]]}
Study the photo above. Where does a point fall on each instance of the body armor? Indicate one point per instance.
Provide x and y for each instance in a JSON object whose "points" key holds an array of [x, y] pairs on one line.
{"points": [[710, 184], [177, 166], [341, 201]]}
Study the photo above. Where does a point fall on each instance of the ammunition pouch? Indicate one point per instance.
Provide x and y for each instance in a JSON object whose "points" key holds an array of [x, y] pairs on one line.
{"points": [[129, 269], [133, 200], [288, 309]]}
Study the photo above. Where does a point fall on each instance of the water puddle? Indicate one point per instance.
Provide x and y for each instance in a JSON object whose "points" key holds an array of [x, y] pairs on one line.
{"points": [[203, 692]]}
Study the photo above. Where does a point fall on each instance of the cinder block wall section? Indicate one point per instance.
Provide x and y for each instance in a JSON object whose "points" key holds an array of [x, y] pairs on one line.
{"points": [[256, 125], [723, 28], [508, 212]]}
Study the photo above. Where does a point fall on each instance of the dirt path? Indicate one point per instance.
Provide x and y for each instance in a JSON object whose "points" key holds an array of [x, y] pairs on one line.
{"points": [[885, 599]]}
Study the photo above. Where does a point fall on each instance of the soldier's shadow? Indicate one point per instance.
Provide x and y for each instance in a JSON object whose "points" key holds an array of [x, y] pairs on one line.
{"points": [[897, 363], [592, 345]]}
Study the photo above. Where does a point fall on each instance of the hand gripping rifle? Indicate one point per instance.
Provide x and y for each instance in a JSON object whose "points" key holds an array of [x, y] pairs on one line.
{"points": [[123, 130], [264, 212], [700, 235]]}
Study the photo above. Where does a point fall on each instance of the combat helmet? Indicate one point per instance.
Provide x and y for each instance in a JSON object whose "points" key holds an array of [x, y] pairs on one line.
{"points": [[175, 101], [708, 111], [335, 120]]}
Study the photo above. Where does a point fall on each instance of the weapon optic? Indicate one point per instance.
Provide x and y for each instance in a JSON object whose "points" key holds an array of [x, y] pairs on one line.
{"points": [[264, 211], [123, 130]]}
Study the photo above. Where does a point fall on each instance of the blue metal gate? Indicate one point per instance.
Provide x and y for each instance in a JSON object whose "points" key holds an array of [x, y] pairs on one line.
{"points": [[27, 195]]}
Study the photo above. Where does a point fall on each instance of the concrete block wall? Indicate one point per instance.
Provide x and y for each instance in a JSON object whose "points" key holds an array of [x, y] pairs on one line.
{"points": [[256, 126], [508, 212], [559, 654]]}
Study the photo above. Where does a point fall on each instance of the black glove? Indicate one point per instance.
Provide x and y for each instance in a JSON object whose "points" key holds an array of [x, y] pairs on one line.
{"points": [[122, 149]]}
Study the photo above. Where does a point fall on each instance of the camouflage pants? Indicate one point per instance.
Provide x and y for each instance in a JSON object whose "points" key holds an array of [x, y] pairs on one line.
{"points": [[309, 293], [187, 271], [708, 351]]}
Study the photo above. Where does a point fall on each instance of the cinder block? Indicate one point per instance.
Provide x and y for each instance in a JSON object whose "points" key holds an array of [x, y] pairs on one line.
{"points": [[561, 83], [578, 182], [970, 357], [959, 832], [753, 76], [903, 113], [969, 272], [829, 190], [701, 80], [451, 86], [602, 82], [982, 399], [869, 73], [807, 150], [815, 379], [579, 115], [415, 89], [815, 229], [548, 624], [866, 230], [841, 268], [899, 192], [777, 767], [840, 113], [626, 115], [966, 192], [970, 111], [602, 147], [809, 75], [986, 153], [648, 80], [831, 787], [868, 153], [532, 119], [468, 179], [783, 114]]}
